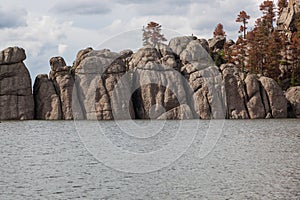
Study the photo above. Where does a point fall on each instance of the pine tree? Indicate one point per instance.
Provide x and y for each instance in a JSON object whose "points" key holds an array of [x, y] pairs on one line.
{"points": [[219, 30], [295, 52], [152, 34], [273, 55], [243, 18], [268, 7]]}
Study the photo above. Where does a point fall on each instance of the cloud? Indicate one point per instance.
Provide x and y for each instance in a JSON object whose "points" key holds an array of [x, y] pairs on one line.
{"points": [[40, 37], [12, 17], [81, 7]]}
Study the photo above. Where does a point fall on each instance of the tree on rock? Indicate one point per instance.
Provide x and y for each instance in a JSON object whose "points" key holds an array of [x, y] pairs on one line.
{"points": [[152, 34], [243, 18], [219, 30]]}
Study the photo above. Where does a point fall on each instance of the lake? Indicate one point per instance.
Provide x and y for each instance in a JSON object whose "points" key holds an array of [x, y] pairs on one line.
{"points": [[231, 159]]}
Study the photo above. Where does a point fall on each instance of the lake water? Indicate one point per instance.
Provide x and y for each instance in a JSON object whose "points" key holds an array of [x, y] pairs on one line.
{"points": [[249, 159]]}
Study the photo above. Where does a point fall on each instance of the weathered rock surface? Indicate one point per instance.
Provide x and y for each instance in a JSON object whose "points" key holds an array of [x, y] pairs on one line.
{"points": [[195, 54], [276, 98], [235, 92], [216, 43], [293, 96], [47, 101], [101, 90], [158, 86], [208, 94], [253, 97], [178, 44], [16, 100], [63, 80], [285, 20], [12, 55], [255, 103]]}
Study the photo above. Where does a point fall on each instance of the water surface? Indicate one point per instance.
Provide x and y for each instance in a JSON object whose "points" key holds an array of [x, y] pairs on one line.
{"points": [[252, 159]]}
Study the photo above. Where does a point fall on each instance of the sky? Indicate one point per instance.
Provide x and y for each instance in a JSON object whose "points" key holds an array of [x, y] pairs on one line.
{"points": [[47, 28]]}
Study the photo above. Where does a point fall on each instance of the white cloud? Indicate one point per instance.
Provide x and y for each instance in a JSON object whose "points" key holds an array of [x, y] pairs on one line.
{"points": [[40, 38]]}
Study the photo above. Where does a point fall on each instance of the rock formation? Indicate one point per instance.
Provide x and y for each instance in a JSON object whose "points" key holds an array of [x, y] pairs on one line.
{"points": [[175, 81], [53, 95], [16, 100], [293, 96]]}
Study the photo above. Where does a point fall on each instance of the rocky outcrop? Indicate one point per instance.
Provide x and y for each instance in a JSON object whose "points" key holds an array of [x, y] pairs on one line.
{"points": [[47, 101], [205, 92], [63, 80], [53, 95], [102, 90], [293, 96], [252, 97], [158, 86], [16, 100]]}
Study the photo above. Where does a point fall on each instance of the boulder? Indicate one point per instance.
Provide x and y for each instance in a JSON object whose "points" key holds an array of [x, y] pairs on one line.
{"points": [[235, 92], [16, 100], [47, 101], [275, 96], [255, 103], [195, 54], [12, 55], [293, 96]]}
